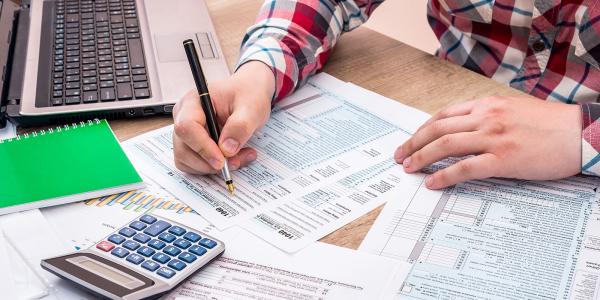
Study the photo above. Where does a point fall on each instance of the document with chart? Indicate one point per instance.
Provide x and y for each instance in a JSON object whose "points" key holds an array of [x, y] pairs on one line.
{"points": [[494, 239], [324, 159]]}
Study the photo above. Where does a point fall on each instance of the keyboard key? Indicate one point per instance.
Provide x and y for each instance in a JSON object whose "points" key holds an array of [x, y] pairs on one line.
{"points": [[90, 87], [135, 258], [148, 219], [161, 258], [140, 85], [124, 91], [145, 251], [57, 101], [131, 245], [171, 250], [198, 250], [105, 84], [176, 230], [119, 252], [208, 243], [136, 54], [192, 237], [116, 239], [137, 225], [105, 246], [89, 97], [150, 265], [89, 80], [167, 237], [187, 257], [142, 93], [157, 228], [127, 232], [142, 238], [176, 264], [73, 100], [72, 85], [138, 78], [181, 243], [107, 94], [156, 244], [166, 272]]}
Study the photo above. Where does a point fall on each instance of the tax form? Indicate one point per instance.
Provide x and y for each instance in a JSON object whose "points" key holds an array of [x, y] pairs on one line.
{"points": [[324, 159], [494, 239]]}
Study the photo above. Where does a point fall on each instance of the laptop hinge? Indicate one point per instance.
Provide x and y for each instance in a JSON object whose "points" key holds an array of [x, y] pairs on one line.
{"points": [[18, 56]]}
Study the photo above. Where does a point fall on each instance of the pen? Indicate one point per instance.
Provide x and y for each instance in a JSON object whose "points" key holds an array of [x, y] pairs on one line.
{"points": [[211, 119]]}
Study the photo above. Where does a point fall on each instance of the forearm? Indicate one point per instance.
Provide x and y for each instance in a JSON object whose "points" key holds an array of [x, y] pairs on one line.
{"points": [[295, 37]]}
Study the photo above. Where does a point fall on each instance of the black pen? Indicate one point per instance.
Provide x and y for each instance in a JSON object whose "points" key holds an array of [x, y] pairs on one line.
{"points": [[209, 112]]}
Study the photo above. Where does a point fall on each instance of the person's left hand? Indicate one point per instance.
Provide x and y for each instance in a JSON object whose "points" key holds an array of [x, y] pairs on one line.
{"points": [[509, 137]]}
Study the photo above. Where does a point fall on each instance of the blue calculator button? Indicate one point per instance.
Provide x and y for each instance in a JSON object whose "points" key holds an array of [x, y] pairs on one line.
{"points": [[128, 232], [131, 245], [176, 230], [167, 237], [188, 258], [198, 250], [137, 225], [192, 237], [156, 244], [150, 265], [181, 243], [145, 251], [157, 228], [142, 238], [208, 243], [176, 264], [148, 219], [166, 272], [116, 239], [134, 259], [172, 251], [161, 258], [119, 252]]}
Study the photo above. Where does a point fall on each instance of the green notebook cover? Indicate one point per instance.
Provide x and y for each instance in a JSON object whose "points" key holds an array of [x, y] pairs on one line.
{"points": [[62, 165]]}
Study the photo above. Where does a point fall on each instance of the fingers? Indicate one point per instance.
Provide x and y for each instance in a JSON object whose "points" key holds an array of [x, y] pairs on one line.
{"points": [[451, 145], [434, 131], [187, 160], [189, 127], [238, 129], [476, 167], [459, 109]]}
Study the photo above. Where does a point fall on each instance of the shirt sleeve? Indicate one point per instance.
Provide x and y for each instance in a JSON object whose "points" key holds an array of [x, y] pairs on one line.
{"points": [[590, 139], [295, 37]]}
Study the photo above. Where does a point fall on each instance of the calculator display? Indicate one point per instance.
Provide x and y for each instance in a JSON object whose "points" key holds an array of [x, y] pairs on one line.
{"points": [[106, 272]]}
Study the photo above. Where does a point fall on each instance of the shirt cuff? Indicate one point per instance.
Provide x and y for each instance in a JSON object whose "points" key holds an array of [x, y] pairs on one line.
{"points": [[590, 139], [272, 53]]}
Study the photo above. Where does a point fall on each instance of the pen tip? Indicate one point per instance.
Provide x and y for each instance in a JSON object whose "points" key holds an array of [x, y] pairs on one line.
{"points": [[230, 188]]}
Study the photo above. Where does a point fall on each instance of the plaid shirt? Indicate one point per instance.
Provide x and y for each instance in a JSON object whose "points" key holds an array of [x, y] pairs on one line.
{"points": [[547, 48]]}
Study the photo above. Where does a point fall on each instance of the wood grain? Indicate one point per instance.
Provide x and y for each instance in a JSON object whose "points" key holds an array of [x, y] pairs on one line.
{"points": [[363, 57]]}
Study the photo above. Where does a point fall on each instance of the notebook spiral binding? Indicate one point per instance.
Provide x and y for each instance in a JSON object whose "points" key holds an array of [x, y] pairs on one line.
{"points": [[51, 130]]}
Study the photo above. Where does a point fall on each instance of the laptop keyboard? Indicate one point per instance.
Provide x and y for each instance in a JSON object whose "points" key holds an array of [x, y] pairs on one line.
{"points": [[98, 54]]}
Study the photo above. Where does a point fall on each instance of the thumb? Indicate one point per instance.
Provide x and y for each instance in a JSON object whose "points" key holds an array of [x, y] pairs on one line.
{"points": [[238, 129]]}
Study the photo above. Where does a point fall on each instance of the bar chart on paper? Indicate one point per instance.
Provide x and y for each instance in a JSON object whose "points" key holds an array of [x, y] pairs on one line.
{"points": [[140, 201]]}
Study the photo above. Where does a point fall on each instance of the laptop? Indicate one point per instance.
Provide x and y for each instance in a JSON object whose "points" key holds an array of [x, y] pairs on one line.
{"points": [[72, 60]]}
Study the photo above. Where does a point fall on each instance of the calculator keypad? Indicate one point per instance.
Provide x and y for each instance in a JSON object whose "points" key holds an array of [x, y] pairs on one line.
{"points": [[156, 246]]}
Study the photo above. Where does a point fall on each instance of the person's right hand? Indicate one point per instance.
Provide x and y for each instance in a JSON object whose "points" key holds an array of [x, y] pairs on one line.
{"points": [[242, 104]]}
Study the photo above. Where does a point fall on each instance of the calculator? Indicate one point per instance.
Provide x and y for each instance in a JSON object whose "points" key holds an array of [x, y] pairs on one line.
{"points": [[145, 259]]}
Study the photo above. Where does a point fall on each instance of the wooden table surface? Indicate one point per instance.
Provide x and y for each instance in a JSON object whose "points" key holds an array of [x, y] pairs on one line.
{"points": [[363, 57]]}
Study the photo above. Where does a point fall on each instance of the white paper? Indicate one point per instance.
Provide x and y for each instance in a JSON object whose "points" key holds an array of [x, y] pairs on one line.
{"points": [[250, 267], [9, 131], [494, 239], [324, 158]]}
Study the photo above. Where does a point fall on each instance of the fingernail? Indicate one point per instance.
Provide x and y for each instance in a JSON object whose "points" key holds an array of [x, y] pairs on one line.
{"points": [[233, 164], [230, 145], [406, 163], [251, 156], [429, 181], [215, 163], [398, 154]]}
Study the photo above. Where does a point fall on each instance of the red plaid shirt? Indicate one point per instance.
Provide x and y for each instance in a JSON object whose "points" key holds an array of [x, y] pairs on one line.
{"points": [[547, 48]]}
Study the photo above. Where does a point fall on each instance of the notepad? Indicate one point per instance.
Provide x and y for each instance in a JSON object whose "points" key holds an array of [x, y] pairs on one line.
{"points": [[63, 165]]}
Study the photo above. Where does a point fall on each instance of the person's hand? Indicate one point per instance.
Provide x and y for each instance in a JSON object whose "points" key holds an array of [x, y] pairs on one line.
{"points": [[509, 137], [242, 104]]}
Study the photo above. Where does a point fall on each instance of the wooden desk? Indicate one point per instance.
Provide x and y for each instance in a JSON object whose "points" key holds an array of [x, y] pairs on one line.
{"points": [[366, 58]]}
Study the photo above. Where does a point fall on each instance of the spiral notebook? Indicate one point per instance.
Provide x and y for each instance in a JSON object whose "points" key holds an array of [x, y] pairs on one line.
{"points": [[63, 165]]}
